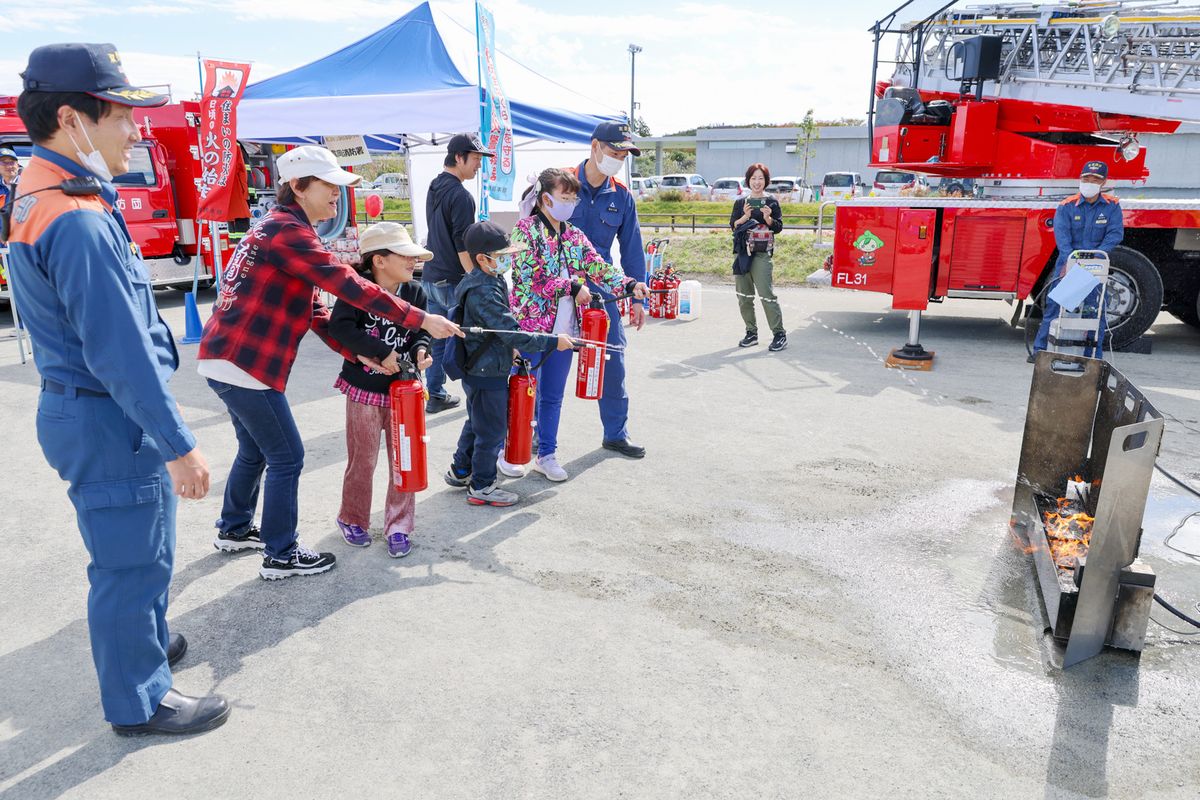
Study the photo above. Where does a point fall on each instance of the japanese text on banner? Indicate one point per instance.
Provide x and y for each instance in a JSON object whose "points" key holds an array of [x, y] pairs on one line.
{"points": [[224, 83], [496, 123]]}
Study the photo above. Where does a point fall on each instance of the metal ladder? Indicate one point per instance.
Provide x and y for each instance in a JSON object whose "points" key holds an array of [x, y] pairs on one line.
{"points": [[1133, 58]]}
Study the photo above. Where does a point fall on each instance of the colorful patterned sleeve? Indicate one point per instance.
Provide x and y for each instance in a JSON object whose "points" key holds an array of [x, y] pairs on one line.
{"points": [[607, 275]]}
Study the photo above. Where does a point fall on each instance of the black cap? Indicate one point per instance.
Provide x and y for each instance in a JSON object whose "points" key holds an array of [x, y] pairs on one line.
{"points": [[91, 68], [488, 237], [1096, 168], [617, 136], [466, 143]]}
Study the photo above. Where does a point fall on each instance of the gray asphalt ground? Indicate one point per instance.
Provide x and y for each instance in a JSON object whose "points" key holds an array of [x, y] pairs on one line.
{"points": [[807, 589]]}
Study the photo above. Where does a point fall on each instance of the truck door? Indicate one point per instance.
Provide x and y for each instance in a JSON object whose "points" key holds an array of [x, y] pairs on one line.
{"points": [[146, 201], [986, 254]]}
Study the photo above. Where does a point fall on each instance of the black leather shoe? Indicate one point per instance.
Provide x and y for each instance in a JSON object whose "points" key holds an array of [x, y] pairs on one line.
{"points": [[435, 403], [1031, 358], [624, 447], [180, 715], [176, 648]]}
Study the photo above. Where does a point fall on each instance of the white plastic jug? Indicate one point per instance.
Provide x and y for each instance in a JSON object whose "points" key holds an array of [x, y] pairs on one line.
{"points": [[689, 300]]}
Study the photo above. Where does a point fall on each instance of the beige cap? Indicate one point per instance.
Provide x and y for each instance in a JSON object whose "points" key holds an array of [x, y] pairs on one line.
{"points": [[391, 236]]}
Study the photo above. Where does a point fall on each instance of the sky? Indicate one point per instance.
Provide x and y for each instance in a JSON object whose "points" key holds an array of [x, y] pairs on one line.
{"points": [[702, 63]]}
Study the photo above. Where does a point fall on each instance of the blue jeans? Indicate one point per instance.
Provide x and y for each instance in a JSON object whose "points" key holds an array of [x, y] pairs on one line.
{"points": [[439, 298], [267, 439], [614, 402], [1052, 311], [483, 434], [125, 508], [552, 378]]}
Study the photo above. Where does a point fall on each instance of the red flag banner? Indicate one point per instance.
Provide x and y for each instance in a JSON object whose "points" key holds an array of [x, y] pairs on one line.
{"points": [[224, 82]]}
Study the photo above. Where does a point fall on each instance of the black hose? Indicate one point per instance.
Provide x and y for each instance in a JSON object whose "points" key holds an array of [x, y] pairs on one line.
{"points": [[1158, 599]]}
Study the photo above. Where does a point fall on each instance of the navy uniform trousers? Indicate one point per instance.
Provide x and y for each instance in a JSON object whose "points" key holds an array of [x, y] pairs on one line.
{"points": [[125, 507]]}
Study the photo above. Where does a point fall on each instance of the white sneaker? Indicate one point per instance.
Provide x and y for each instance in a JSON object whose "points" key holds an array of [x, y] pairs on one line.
{"points": [[509, 470], [548, 466]]}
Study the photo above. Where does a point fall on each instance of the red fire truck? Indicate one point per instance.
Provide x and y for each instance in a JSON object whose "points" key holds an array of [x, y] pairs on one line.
{"points": [[1018, 97], [159, 198]]}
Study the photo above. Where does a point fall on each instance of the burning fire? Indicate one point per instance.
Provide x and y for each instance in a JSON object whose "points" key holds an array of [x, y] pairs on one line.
{"points": [[1068, 530]]}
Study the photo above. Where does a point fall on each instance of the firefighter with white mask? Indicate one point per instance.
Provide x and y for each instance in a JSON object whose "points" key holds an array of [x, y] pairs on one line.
{"points": [[1089, 220]]}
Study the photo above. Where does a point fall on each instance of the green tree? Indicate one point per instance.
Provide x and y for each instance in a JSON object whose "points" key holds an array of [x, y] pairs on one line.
{"points": [[640, 128], [809, 133]]}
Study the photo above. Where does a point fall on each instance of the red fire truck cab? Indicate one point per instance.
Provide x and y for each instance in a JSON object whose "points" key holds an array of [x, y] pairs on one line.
{"points": [[159, 196]]}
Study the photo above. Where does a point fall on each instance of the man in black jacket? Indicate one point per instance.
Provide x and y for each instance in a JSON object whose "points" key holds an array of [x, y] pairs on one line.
{"points": [[483, 296], [449, 211]]}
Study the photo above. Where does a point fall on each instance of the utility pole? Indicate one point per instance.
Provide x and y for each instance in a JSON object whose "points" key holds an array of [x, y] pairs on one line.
{"points": [[633, 51]]}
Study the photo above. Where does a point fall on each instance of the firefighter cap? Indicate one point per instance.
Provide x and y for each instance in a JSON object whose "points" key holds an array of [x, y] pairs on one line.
{"points": [[311, 161], [94, 69], [1096, 168], [617, 136]]}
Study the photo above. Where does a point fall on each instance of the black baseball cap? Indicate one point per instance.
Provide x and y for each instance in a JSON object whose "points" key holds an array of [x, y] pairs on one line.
{"points": [[94, 69], [488, 237], [617, 136], [466, 143], [1096, 168]]}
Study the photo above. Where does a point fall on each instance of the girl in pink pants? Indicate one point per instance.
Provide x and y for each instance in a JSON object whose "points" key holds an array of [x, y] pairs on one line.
{"points": [[389, 258]]}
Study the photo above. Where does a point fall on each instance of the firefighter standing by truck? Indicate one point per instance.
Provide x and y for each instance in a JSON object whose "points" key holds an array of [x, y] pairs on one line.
{"points": [[1089, 220], [106, 420]]}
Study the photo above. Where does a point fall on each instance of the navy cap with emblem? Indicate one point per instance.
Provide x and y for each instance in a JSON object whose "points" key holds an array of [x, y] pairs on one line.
{"points": [[617, 136], [94, 69], [1097, 168], [8, 152]]}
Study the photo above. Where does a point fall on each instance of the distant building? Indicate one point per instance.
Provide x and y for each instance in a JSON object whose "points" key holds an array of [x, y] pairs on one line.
{"points": [[1173, 159]]}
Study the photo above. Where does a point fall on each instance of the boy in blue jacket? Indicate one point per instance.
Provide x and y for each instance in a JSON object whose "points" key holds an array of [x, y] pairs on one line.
{"points": [[483, 298]]}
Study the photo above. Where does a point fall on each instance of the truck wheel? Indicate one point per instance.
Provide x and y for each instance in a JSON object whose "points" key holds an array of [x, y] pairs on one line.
{"points": [[1134, 296]]}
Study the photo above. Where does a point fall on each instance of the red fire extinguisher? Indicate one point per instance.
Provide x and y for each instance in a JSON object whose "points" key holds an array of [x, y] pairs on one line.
{"points": [[409, 469], [522, 399], [671, 298], [593, 326], [657, 285]]}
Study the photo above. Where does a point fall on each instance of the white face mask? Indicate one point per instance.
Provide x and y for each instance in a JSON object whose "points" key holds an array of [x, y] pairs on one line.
{"points": [[92, 160], [610, 166], [1089, 190]]}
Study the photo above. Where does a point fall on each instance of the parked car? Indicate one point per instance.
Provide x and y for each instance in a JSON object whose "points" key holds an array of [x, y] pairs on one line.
{"points": [[957, 187], [728, 189], [643, 188], [389, 184], [892, 182], [790, 189], [687, 182], [842, 185]]}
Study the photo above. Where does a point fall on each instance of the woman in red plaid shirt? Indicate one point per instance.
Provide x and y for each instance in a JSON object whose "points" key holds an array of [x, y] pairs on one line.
{"points": [[269, 298]]}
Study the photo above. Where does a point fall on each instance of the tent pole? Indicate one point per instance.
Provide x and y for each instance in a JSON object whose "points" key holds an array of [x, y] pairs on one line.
{"points": [[408, 175]]}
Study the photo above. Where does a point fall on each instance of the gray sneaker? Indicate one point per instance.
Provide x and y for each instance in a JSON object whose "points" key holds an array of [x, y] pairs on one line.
{"points": [[548, 465], [491, 496]]}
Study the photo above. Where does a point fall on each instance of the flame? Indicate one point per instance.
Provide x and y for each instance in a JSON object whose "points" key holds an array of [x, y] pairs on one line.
{"points": [[1068, 531]]}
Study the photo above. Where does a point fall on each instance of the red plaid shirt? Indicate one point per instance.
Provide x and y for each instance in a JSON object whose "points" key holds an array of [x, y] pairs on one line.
{"points": [[270, 297]]}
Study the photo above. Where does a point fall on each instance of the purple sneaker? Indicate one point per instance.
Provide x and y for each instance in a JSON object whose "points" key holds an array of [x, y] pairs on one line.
{"points": [[354, 535], [398, 545]]}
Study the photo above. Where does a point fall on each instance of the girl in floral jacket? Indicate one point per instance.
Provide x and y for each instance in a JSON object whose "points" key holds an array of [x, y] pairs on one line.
{"points": [[549, 281]]}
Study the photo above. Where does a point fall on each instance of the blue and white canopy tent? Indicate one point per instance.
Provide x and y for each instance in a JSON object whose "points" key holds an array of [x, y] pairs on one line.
{"points": [[404, 86]]}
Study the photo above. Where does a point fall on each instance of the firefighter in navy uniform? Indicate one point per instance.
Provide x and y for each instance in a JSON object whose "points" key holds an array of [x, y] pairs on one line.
{"points": [[607, 213], [106, 420], [1089, 220]]}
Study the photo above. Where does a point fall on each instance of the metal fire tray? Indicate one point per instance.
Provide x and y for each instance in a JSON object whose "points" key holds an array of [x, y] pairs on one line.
{"points": [[1085, 418]]}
